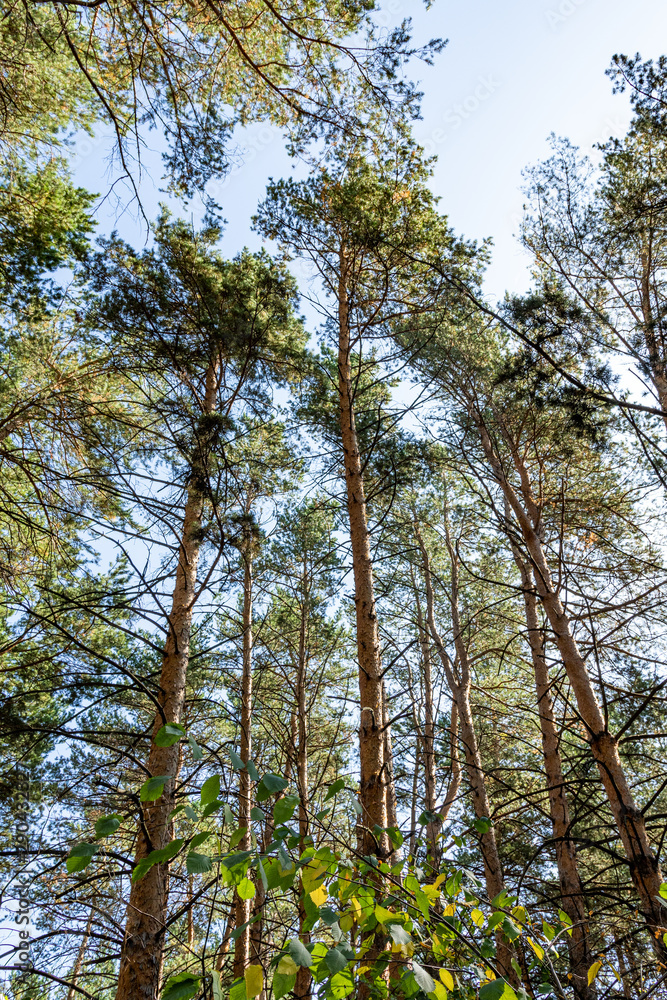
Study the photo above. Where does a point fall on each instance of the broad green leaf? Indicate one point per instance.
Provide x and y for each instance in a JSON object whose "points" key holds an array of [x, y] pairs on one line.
{"points": [[237, 990], [257, 814], [229, 817], [216, 985], [284, 808], [262, 875], [283, 984], [197, 864], [80, 857], [151, 790], [199, 839], [156, 858], [181, 987], [210, 790], [254, 981], [269, 785], [335, 960], [341, 985], [169, 734], [335, 788], [399, 935], [107, 825], [196, 755], [382, 915], [299, 953], [663, 890], [237, 763], [483, 825], [498, 989], [237, 837], [252, 771], [246, 889], [510, 929], [422, 977]]}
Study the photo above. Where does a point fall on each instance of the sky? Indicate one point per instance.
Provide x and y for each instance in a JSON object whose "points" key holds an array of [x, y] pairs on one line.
{"points": [[511, 74]]}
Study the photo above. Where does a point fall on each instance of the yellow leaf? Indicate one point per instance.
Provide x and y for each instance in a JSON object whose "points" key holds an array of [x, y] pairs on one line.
{"points": [[519, 914], [356, 906], [440, 879], [447, 978], [450, 910], [536, 948], [287, 966], [319, 896], [439, 992], [245, 889], [593, 971], [477, 918], [254, 981]]}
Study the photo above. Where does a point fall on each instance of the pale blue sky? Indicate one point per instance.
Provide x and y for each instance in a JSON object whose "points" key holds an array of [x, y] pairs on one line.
{"points": [[512, 73]]}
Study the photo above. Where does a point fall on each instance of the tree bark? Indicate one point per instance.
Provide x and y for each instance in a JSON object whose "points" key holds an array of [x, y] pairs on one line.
{"points": [[143, 947], [242, 906], [571, 890], [303, 986], [375, 769], [644, 867], [76, 971]]}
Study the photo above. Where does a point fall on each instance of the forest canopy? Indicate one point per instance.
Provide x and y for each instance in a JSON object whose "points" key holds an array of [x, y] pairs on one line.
{"points": [[333, 594]]}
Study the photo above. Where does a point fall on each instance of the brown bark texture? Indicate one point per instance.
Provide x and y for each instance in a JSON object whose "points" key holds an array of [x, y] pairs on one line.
{"points": [[571, 890], [643, 865], [375, 769], [143, 946], [242, 906]]}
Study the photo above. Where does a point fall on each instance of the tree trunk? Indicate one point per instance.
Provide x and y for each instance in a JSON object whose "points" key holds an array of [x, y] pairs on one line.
{"points": [[142, 951], [571, 890], [303, 986], [76, 971], [375, 770], [460, 688], [242, 906], [644, 868]]}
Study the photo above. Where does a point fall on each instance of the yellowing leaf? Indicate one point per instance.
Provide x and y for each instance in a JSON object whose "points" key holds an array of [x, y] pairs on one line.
{"points": [[519, 914], [447, 978], [593, 971], [477, 918], [245, 889], [536, 948], [439, 992], [319, 896], [431, 891], [440, 879], [382, 915], [450, 910], [356, 906], [287, 966], [254, 981]]}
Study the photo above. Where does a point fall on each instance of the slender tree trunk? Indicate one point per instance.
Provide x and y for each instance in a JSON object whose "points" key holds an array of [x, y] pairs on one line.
{"points": [[644, 867], [143, 947], [242, 906], [76, 971], [460, 688], [375, 770], [571, 890], [303, 986]]}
